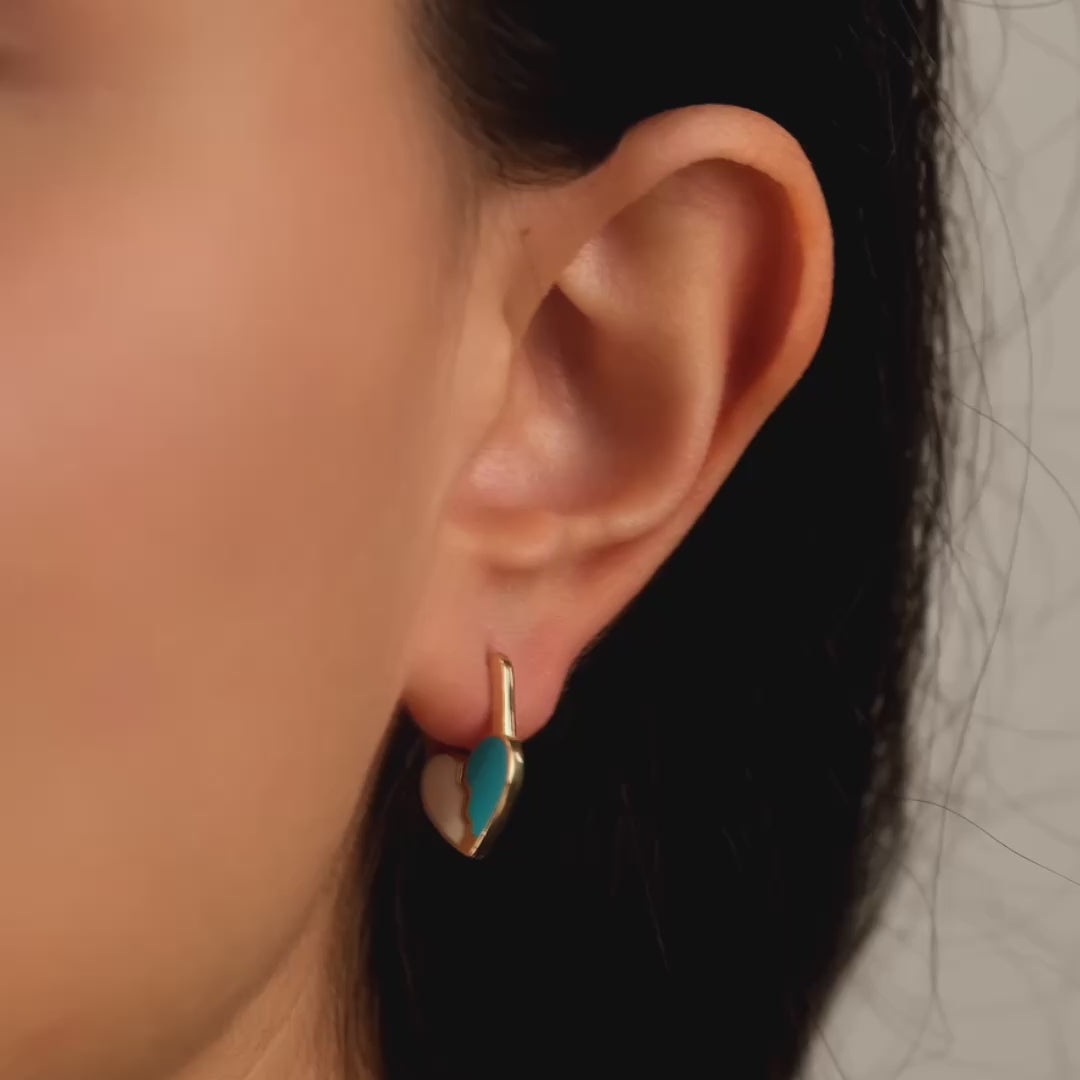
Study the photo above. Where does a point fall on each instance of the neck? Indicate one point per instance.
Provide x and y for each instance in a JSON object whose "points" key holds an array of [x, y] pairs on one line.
{"points": [[285, 1030]]}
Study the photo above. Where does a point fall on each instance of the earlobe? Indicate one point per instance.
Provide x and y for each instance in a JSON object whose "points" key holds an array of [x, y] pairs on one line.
{"points": [[668, 302]]}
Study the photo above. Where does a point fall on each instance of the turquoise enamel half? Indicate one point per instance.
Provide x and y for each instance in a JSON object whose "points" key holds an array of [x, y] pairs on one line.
{"points": [[486, 773]]}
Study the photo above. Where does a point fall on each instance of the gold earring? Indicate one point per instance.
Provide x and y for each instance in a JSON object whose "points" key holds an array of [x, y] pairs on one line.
{"points": [[468, 798]]}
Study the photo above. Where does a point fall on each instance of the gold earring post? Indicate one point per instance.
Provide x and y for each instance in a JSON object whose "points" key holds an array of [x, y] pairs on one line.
{"points": [[502, 696]]}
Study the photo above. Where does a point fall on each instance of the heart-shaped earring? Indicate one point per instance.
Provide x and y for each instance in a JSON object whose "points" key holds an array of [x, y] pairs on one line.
{"points": [[468, 799]]}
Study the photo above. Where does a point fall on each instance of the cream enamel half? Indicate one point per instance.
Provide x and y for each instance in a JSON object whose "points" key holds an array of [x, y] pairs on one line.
{"points": [[444, 796]]}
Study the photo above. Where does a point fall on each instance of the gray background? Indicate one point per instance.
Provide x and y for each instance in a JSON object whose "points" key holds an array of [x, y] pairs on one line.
{"points": [[975, 972]]}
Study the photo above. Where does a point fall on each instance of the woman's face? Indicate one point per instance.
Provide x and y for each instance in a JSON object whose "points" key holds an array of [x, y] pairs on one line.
{"points": [[248, 349], [224, 311]]}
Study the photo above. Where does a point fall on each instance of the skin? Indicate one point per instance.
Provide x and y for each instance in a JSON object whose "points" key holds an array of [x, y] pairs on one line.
{"points": [[283, 445]]}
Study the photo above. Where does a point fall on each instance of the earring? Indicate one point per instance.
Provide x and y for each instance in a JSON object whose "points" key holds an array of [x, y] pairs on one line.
{"points": [[468, 798]]}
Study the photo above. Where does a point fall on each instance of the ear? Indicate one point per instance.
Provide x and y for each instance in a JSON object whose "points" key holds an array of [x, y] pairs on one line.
{"points": [[630, 333]]}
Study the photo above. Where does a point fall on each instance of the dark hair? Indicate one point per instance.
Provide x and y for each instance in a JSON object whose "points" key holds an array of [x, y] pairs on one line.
{"points": [[714, 813]]}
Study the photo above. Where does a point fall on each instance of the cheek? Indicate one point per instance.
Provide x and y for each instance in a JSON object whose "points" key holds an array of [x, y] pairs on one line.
{"points": [[211, 516]]}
